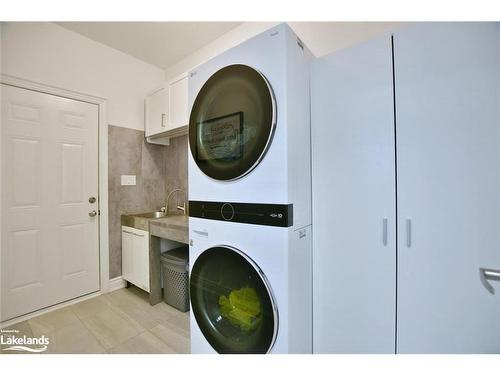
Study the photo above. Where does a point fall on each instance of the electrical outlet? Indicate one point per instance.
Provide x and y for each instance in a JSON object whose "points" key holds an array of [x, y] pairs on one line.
{"points": [[128, 180]]}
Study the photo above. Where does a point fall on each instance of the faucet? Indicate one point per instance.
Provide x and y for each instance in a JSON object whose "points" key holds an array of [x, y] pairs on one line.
{"points": [[181, 208]]}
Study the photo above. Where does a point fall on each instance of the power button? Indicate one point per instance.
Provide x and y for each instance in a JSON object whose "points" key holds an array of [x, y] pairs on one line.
{"points": [[227, 211]]}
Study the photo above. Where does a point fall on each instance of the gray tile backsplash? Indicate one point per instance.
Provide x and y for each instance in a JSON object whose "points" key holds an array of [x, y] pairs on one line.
{"points": [[175, 168], [158, 170]]}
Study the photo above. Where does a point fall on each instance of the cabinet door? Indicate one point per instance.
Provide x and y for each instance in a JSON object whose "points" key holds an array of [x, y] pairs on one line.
{"points": [[156, 112], [448, 156], [128, 254], [141, 259], [354, 200], [178, 103]]}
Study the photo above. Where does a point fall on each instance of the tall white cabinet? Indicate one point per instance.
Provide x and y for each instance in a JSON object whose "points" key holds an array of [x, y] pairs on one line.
{"points": [[448, 141], [354, 212], [403, 229]]}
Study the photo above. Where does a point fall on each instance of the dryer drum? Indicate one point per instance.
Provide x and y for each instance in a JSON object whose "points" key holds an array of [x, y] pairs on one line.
{"points": [[232, 122], [232, 302]]}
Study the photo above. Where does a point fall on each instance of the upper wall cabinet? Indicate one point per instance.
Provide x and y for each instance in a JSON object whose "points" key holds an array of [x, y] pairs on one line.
{"points": [[156, 105], [178, 102], [167, 112]]}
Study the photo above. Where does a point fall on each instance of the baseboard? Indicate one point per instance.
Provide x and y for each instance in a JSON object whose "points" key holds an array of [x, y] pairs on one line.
{"points": [[116, 283], [45, 310]]}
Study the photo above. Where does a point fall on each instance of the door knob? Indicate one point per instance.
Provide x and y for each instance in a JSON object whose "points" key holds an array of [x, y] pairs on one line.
{"points": [[92, 213], [488, 274], [92, 200]]}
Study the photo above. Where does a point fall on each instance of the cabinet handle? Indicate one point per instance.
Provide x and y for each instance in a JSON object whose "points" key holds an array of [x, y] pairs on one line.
{"points": [[135, 234], [384, 231], [408, 233], [489, 274], [163, 119]]}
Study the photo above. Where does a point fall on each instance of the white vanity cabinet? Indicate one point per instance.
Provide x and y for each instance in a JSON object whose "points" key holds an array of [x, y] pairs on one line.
{"points": [[135, 257]]}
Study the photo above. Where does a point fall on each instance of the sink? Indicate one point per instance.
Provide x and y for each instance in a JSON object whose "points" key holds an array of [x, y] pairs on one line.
{"points": [[151, 215]]}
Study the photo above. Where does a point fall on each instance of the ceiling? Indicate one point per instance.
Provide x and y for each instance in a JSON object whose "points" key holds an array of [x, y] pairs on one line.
{"points": [[325, 37], [165, 43], [148, 41]]}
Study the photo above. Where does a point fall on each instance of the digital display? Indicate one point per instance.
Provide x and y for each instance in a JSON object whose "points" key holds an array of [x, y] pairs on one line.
{"points": [[220, 138]]}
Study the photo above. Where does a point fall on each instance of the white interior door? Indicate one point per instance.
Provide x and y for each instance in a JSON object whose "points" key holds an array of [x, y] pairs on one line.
{"points": [[354, 201], [50, 250], [448, 157]]}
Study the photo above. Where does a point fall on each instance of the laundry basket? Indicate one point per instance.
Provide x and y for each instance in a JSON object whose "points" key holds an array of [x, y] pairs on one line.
{"points": [[175, 266]]}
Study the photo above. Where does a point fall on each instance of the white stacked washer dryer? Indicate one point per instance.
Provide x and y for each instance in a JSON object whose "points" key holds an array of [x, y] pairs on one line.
{"points": [[250, 198]]}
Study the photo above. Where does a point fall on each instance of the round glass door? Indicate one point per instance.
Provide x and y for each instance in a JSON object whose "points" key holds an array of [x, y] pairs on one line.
{"points": [[232, 302], [232, 122]]}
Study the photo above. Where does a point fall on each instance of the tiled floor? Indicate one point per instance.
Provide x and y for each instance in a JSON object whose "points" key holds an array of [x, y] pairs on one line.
{"points": [[119, 322]]}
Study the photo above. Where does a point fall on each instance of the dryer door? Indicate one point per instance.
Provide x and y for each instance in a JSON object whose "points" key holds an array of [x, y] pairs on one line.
{"points": [[232, 122], [232, 302]]}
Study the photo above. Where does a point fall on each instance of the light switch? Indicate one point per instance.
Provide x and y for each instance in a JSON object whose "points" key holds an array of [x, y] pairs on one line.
{"points": [[128, 180]]}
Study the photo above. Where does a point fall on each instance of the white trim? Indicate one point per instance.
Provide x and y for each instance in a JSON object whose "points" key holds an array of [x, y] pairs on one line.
{"points": [[177, 78], [34, 314], [116, 283], [103, 166]]}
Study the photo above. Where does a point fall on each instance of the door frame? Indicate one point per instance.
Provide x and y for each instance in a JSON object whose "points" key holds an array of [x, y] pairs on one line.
{"points": [[104, 280]]}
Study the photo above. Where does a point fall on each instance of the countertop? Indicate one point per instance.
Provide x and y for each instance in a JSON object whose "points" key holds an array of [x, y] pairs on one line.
{"points": [[171, 227], [174, 227]]}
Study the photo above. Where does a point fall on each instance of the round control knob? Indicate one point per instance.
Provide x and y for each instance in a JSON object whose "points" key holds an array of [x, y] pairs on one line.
{"points": [[227, 211]]}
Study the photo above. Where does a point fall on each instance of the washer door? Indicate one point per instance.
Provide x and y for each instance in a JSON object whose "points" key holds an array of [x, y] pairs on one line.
{"points": [[232, 302], [232, 122]]}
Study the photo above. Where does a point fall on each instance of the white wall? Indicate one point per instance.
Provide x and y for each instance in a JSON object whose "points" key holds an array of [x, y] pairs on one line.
{"points": [[320, 37], [232, 38], [47, 53]]}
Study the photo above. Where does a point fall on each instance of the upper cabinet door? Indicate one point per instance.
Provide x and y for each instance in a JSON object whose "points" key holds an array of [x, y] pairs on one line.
{"points": [[354, 202], [178, 103], [447, 78], [156, 112]]}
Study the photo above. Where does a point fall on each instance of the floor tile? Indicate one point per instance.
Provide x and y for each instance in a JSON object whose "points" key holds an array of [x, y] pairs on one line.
{"points": [[135, 304], [145, 315], [52, 320], [90, 307], [119, 322], [112, 328], [18, 330], [174, 316], [138, 293], [181, 321], [23, 328], [74, 338], [127, 296], [170, 312], [173, 336], [144, 343]]}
